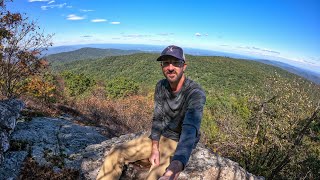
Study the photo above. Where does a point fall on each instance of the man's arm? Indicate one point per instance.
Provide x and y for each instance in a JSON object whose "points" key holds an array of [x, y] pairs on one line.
{"points": [[173, 171], [157, 124], [189, 133], [157, 127], [155, 154]]}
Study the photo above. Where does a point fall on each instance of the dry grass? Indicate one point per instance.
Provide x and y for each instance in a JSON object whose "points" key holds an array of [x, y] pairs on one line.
{"points": [[32, 170], [35, 108], [122, 116]]}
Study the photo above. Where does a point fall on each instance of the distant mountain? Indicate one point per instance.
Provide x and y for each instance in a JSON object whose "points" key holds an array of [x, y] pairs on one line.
{"points": [[312, 76], [145, 48], [79, 52], [88, 53], [212, 72], [140, 47]]}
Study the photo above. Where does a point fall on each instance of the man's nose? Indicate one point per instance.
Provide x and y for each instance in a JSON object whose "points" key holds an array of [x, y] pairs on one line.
{"points": [[171, 67]]}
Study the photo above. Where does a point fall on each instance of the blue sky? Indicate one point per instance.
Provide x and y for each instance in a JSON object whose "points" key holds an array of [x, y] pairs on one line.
{"points": [[286, 30]]}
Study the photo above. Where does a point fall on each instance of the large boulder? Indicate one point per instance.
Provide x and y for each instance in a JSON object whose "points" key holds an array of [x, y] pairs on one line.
{"points": [[60, 143], [203, 164], [51, 142], [9, 113]]}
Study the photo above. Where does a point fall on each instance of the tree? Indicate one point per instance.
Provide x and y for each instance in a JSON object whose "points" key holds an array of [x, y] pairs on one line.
{"points": [[275, 134], [42, 87], [21, 47], [121, 87], [77, 84]]}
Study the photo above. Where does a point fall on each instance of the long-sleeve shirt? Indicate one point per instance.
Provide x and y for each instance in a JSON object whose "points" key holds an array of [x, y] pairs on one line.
{"points": [[178, 116]]}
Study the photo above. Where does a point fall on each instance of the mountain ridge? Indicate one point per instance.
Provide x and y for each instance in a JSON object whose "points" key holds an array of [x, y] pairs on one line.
{"points": [[82, 52]]}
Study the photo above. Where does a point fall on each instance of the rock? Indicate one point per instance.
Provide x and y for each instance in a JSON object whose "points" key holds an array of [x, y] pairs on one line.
{"points": [[9, 113], [12, 164], [58, 143], [203, 164], [52, 142]]}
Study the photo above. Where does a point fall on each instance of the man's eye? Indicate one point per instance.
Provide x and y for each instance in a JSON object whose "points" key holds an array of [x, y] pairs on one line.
{"points": [[176, 63], [165, 63]]}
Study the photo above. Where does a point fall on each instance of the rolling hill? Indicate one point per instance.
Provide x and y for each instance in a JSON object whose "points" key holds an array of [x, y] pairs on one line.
{"points": [[212, 72], [95, 51], [88, 53]]}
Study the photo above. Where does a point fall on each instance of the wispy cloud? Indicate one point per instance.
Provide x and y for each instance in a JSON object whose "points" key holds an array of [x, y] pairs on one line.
{"points": [[257, 51], [53, 6], [266, 50], [86, 10], [165, 34], [199, 34], [136, 35], [98, 20], [115, 22], [50, 2], [74, 17], [38, 0], [224, 45]]}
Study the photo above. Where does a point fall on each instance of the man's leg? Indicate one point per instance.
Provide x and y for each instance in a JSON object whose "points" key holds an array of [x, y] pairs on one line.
{"points": [[131, 151], [167, 148]]}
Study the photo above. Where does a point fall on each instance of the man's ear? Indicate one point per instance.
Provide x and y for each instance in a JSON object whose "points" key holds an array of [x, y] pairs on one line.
{"points": [[184, 67]]}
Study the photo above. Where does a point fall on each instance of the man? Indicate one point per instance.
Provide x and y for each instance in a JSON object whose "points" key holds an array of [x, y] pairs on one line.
{"points": [[175, 128]]}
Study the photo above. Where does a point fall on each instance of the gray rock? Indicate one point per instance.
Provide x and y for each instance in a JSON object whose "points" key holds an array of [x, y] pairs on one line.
{"points": [[9, 112], [203, 164], [10, 168], [59, 143], [54, 142]]}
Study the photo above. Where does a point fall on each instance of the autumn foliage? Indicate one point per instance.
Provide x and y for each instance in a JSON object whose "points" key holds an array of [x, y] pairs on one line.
{"points": [[21, 47]]}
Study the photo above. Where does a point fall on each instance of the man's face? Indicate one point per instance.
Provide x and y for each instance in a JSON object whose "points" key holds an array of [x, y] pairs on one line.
{"points": [[173, 69]]}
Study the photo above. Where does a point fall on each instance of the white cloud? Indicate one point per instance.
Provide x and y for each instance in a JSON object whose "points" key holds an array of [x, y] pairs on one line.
{"points": [[74, 17], [165, 34], [262, 51], [51, 2], [197, 34], [136, 35], [114, 22], [86, 10], [38, 0], [98, 20], [53, 6]]}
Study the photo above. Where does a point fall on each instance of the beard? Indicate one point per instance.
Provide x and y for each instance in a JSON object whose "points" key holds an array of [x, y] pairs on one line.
{"points": [[173, 76]]}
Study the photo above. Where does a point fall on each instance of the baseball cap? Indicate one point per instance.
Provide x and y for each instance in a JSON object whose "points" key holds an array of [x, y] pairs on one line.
{"points": [[174, 51]]}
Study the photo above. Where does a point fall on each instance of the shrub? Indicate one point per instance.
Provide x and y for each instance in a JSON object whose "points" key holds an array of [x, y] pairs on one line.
{"points": [[120, 116], [77, 84], [42, 87], [121, 87]]}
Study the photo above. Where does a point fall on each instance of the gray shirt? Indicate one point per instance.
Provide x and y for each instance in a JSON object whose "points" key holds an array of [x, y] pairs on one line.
{"points": [[178, 116]]}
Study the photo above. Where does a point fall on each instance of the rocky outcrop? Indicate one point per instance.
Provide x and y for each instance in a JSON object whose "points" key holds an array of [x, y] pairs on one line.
{"points": [[203, 164], [9, 113], [59, 143], [53, 142]]}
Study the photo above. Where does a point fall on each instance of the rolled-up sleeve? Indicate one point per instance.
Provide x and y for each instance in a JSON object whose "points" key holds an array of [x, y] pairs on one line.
{"points": [[190, 127]]}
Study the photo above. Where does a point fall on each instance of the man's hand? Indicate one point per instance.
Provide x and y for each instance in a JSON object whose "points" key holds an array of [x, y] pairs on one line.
{"points": [[155, 154], [155, 157], [173, 171]]}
